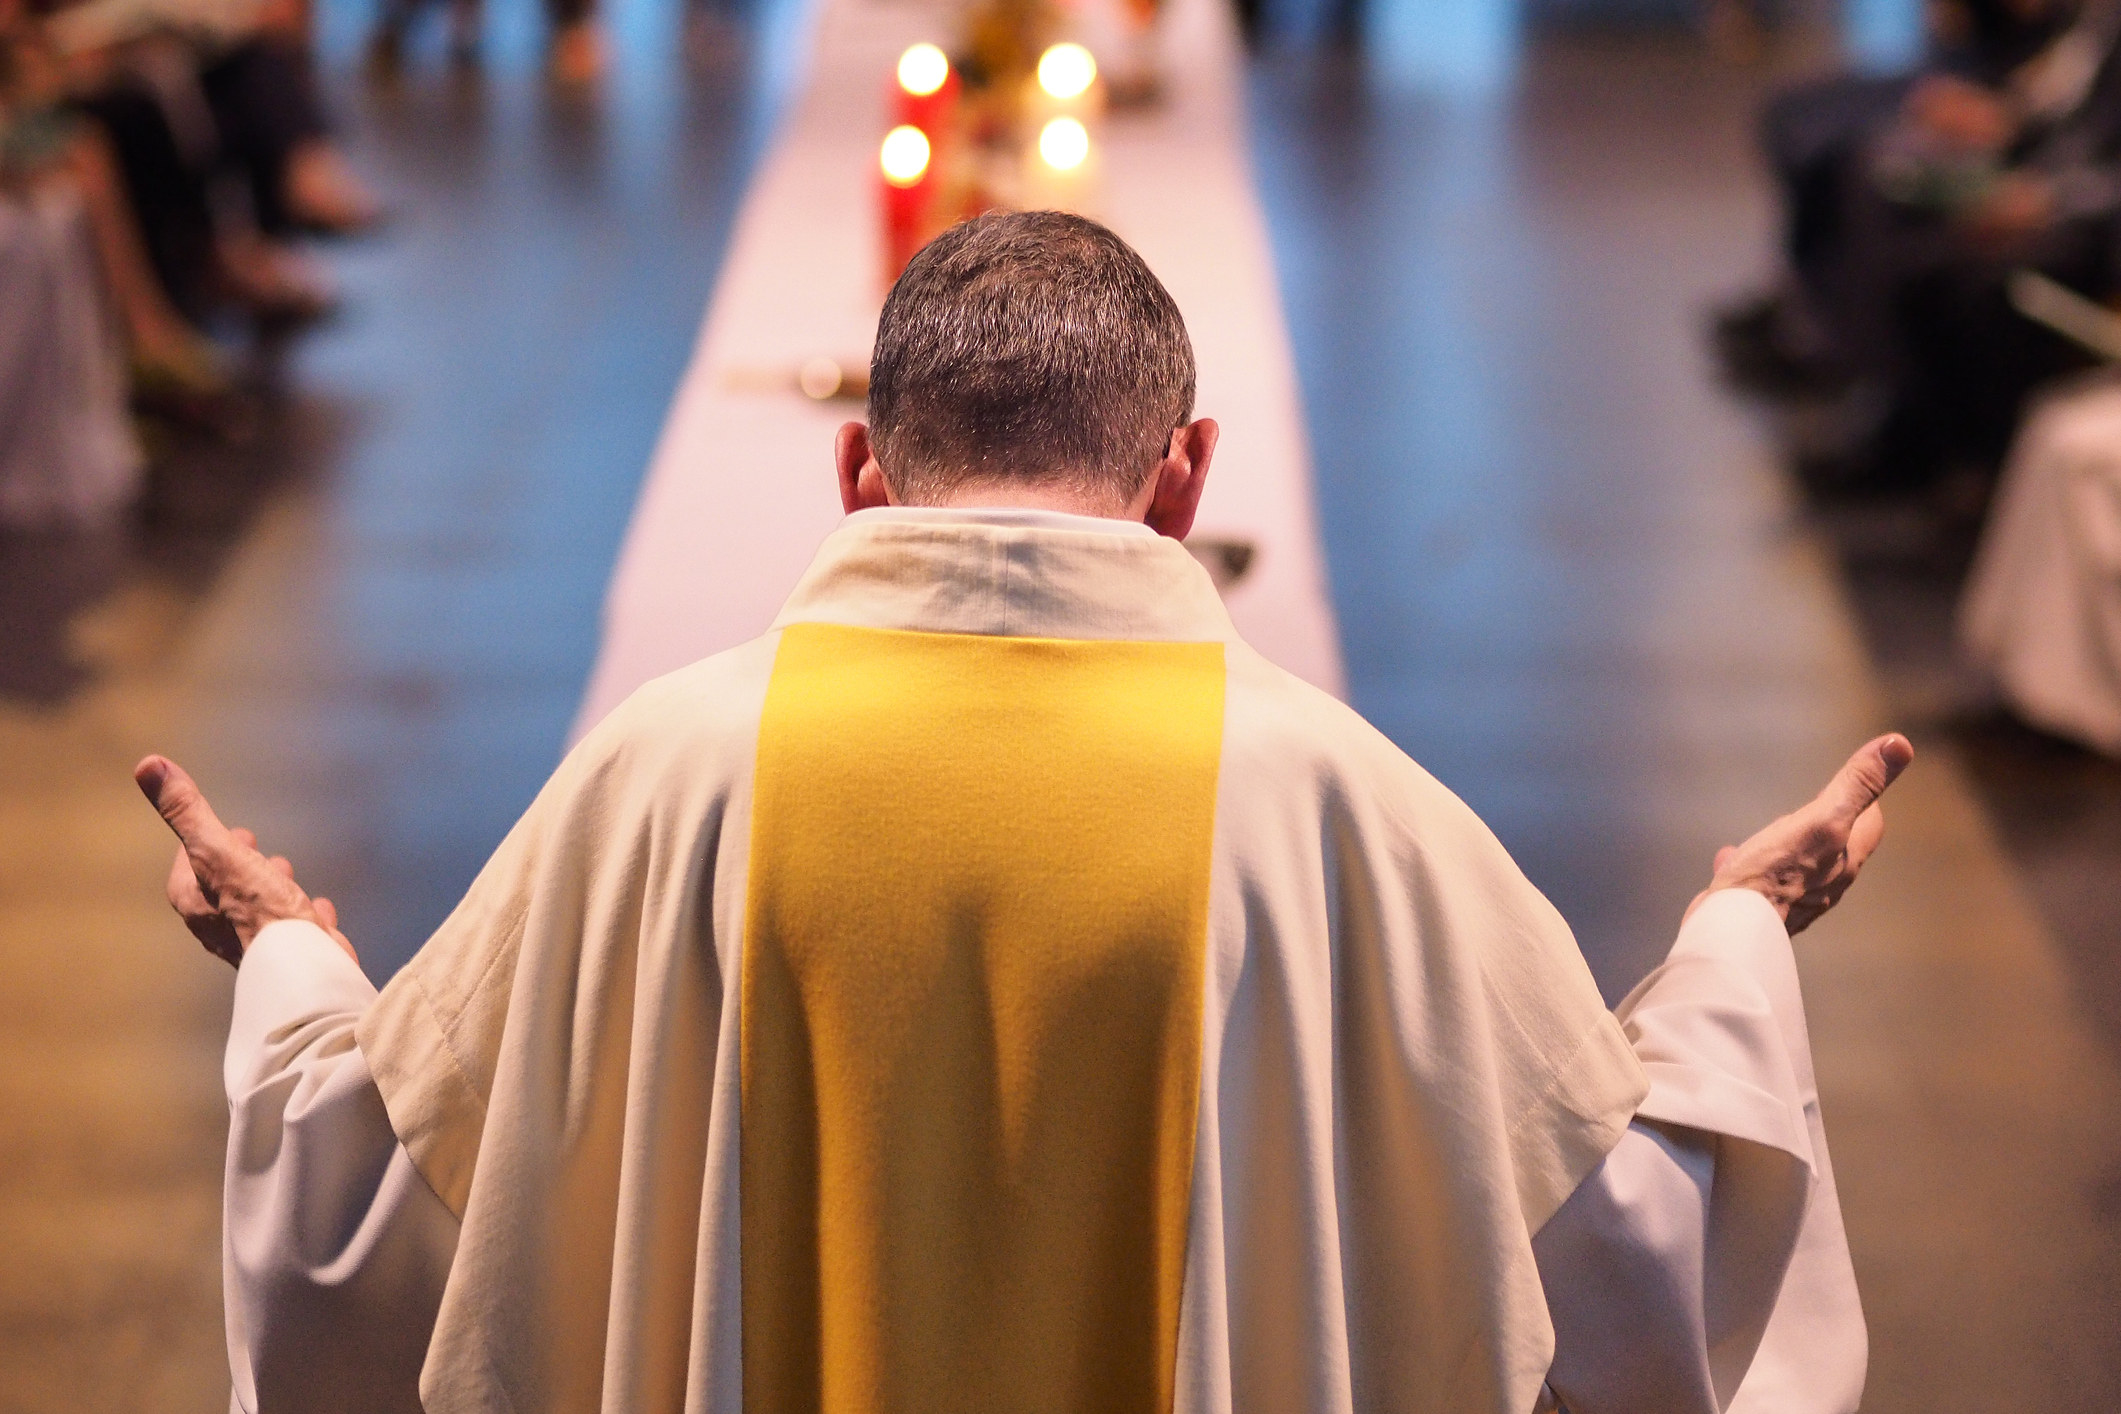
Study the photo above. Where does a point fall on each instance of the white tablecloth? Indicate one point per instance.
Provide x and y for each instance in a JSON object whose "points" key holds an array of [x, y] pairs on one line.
{"points": [[2042, 610], [741, 488]]}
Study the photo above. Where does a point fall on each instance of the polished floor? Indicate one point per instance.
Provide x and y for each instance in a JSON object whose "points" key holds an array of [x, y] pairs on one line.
{"points": [[1576, 582], [1572, 578]]}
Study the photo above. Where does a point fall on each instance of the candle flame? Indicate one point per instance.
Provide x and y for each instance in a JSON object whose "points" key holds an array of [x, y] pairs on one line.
{"points": [[923, 69], [1066, 71], [1064, 143], [905, 155]]}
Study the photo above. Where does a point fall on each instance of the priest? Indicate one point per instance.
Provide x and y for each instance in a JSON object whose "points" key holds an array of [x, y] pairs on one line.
{"points": [[999, 988]]}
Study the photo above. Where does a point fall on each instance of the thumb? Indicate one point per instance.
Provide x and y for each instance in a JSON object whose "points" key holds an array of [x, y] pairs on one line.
{"points": [[178, 799], [1858, 784], [1864, 836]]}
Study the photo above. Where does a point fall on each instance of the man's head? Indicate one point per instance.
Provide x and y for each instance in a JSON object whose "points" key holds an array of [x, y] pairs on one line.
{"points": [[1029, 357]]}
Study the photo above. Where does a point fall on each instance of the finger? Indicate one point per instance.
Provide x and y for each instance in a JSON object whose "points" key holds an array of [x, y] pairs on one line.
{"points": [[1864, 836], [178, 799], [1859, 783], [247, 838], [1820, 901], [281, 863], [200, 915], [1814, 906], [1723, 857], [183, 889]]}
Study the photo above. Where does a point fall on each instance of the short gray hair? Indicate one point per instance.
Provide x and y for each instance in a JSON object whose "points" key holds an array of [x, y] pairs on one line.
{"points": [[1027, 346]]}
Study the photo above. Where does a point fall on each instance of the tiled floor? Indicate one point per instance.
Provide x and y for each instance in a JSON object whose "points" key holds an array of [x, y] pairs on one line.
{"points": [[1572, 579]]}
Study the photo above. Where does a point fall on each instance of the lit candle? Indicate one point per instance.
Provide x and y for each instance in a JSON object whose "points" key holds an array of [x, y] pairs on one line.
{"points": [[1059, 164], [1066, 71], [1063, 144], [926, 92], [905, 156], [907, 160]]}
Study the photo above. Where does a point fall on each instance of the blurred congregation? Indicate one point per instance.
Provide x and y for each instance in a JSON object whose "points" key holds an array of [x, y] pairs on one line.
{"points": [[167, 168], [1949, 244], [1949, 229], [1628, 406], [1908, 200], [164, 164]]}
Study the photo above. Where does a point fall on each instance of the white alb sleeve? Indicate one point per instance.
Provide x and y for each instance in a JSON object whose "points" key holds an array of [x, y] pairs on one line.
{"points": [[334, 1249], [1703, 1267]]}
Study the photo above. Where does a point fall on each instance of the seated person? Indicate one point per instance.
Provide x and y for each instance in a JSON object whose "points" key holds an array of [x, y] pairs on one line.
{"points": [[195, 99], [74, 273], [999, 988], [1968, 181], [575, 53], [1974, 183], [68, 457], [1816, 132]]}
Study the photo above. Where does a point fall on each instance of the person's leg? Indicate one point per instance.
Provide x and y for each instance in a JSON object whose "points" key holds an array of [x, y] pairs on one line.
{"points": [[1811, 134], [158, 336], [1882, 250], [386, 42], [577, 53], [165, 193], [1878, 303], [467, 21], [202, 262], [264, 99], [1982, 359]]}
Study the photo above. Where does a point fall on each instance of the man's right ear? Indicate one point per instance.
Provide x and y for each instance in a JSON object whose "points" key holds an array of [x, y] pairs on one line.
{"points": [[862, 485], [1180, 477]]}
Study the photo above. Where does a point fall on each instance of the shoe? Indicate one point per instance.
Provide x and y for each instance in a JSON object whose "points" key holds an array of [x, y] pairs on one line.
{"points": [[276, 283], [324, 195], [191, 388]]}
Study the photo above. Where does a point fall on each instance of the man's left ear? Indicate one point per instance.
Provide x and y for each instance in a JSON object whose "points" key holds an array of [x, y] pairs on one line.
{"points": [[1181, 477]]}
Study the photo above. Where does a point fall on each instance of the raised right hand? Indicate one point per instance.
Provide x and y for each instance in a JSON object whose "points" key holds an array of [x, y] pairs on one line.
{"points": [[1804, 862], [224, 889]]}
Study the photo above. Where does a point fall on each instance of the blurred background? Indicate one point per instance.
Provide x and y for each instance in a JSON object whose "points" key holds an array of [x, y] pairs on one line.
{"points": [[1693, 388]]}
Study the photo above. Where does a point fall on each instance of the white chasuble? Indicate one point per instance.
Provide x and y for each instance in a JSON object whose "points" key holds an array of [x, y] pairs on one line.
{"points": [[996, 988]]}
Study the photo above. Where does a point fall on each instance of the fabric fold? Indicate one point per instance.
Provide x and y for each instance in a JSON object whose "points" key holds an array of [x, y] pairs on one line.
{"points": [[1721, 1031], [327, 1228], [1404, 1063]]}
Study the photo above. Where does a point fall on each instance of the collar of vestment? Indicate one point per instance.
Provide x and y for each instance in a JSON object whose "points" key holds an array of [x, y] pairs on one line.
{"points": [[1017, 573]]}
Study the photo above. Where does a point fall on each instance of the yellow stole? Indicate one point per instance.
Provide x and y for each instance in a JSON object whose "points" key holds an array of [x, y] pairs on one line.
{"points": [[972, 994]]}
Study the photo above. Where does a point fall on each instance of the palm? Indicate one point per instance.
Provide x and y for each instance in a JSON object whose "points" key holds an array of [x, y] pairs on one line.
{"points": [[1805, 861], [224, 888]]}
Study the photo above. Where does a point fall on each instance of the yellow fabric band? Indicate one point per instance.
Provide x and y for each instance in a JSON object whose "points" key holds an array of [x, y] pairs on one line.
{"points": [[972, 996]]}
